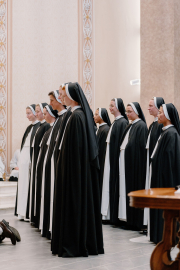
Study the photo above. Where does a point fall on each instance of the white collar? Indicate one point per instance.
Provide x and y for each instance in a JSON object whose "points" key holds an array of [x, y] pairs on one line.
{"points": [[51, 124], [35, 122], [62, 112], [118, 117], [68, 107], [75, 108], [43, 121], [155, 119], [135, 121], [102, 124], [166, 127]]}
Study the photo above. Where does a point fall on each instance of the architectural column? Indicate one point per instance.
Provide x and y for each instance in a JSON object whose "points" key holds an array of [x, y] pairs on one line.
{"points": [[86, 52], [3, 81], [160, 52]]}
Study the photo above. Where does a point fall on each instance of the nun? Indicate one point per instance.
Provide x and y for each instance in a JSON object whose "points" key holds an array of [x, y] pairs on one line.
{"points": [[111, 168], [56, 104], [101, 117], [77, 227], [165, 160], [155, 129], [132, 165], [50, 116], [25, 163], [55, 154], [44, 126]]}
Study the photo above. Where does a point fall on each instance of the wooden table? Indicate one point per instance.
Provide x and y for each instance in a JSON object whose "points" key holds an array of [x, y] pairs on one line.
{"points": [[162, 198]]}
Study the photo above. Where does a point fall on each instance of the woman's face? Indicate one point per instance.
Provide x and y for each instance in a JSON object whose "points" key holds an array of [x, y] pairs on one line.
{"points": [[30, 115], [152, 108], [53, 102], [65, 98], [97, 118], [39, 114], [161, 116], [47, 116], [130, 113], [60, 95], [112, 107]]}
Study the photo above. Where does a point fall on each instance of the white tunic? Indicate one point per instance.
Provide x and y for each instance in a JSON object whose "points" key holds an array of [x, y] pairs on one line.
{"points": [[2, 167], [105, 209], [122, 177], [23, 182], [147, 185]]}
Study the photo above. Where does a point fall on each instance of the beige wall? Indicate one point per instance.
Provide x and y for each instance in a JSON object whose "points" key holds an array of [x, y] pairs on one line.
{"points": [[160, 51], [117, 50], [44, 54]]}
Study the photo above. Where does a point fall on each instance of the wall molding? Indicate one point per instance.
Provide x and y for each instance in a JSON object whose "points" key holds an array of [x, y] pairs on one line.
{"points": [[86, 49], [3, 81]]}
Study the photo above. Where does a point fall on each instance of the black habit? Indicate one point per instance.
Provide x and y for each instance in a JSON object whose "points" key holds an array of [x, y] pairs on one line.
{"points": [[101, 141], [155, 129], [135, 168], [135, 165], [38, 137], [28, 129], [77, 228], [165, 168], [39, 171], [116, 134], [47, 180]]}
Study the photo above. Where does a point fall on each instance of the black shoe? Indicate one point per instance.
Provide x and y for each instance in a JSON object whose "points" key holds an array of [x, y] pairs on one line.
{"points": [[13, 230], [7, 233]]}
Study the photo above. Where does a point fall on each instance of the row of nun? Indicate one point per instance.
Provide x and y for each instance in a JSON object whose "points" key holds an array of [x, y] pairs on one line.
{"points": [[133, 157], [68, 177], [58, 186]]}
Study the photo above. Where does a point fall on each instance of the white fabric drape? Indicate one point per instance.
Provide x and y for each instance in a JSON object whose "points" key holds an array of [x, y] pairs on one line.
{"points": [[105, 209], [23, 182], [122, 179]]}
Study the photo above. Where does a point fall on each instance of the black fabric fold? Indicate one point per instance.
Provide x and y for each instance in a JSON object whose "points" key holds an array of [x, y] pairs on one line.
{"points": [[174, 116], [159, 102], [77, 94], [122, 108], [140, 112], [105, 116]]}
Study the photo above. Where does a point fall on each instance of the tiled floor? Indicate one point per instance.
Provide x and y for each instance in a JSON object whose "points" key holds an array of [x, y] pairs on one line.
{"points": [[33, 252]]}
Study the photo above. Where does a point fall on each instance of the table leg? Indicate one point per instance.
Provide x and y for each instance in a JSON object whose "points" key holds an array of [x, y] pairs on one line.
{"points": [[160, 258]]}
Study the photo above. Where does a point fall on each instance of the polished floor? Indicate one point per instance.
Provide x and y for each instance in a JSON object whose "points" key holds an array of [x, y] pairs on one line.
{"points": [[33, 252]]}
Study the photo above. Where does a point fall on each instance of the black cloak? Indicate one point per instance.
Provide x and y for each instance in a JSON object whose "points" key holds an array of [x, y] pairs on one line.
{"points": [[165, 168], [38, 137], [116, 135], [101, 141], [47, 179], [59, 137], [135, 165], [28, 129], [155, 128], [77, 227], [39, 170]]}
